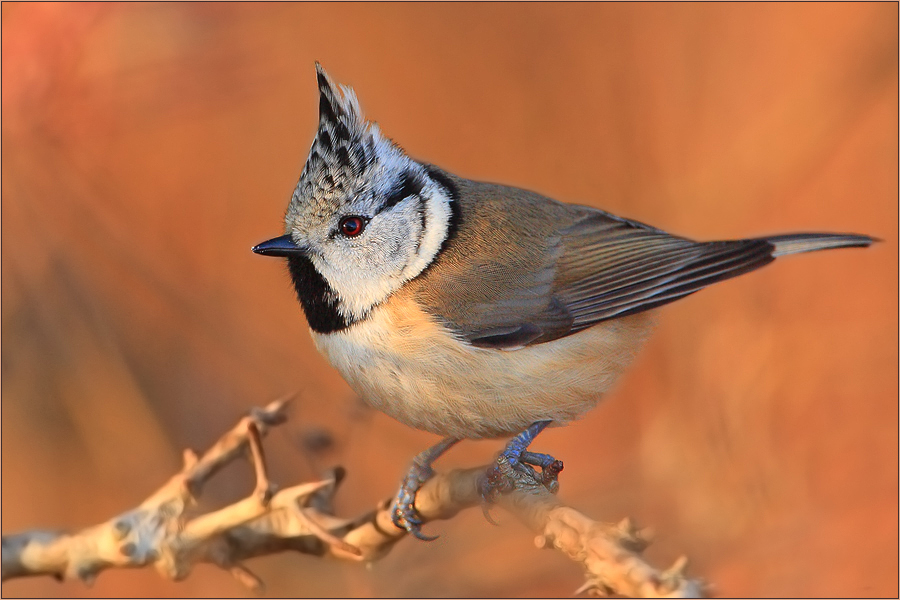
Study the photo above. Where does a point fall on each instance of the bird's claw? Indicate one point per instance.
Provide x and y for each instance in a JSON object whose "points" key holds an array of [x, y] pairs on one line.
{"points": [[493, 483], [404, 514], [515, 468], [407, 517], [550, 474], [486, 511]]}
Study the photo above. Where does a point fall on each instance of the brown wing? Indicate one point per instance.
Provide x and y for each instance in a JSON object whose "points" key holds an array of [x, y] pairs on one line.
{"points": [[525, 269], [613, 267], [492, 283]]}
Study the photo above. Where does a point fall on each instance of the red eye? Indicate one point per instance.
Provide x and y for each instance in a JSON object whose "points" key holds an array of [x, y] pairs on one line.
{"points": [[352, 226]]}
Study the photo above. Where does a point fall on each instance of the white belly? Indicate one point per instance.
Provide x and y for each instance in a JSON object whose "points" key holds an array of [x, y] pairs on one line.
{"points": [[404, 364]]}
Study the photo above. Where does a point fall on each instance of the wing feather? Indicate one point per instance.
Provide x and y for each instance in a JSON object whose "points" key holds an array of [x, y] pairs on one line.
{"points": [[526, 269], [614, 267]]}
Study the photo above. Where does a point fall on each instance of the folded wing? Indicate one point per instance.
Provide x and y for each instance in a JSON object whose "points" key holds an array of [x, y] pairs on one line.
{"points": [[611, 267]]}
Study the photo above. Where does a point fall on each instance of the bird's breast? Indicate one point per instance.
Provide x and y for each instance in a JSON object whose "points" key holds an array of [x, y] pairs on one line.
{"points": [[407, 364]]}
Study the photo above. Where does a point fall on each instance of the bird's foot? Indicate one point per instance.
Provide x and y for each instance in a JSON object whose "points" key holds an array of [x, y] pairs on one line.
{"points": [[403, 513], [514, 469]]}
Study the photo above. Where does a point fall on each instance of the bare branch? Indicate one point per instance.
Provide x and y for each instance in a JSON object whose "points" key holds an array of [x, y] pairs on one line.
{"points": [[159, 532]]}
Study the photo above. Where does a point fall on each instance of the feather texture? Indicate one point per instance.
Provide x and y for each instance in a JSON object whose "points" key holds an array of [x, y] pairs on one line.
{"points": [[526, 269]]}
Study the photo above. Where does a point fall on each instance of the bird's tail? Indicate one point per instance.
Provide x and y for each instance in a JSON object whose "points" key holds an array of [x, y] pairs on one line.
{"points": [[795, 243]]}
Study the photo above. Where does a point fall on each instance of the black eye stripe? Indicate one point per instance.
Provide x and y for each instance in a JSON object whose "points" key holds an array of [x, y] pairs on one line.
{"points": [[409, 185]]}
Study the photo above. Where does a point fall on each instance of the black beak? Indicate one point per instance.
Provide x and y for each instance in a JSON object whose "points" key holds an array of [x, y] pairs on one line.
{"points": [[282, 246]]}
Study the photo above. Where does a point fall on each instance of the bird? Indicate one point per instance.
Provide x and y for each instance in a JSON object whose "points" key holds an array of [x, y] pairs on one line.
{"points": [[476, 310]]}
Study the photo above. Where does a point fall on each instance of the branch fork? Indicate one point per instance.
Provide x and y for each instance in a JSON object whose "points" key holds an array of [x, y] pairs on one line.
{"points": [[300, 518]]}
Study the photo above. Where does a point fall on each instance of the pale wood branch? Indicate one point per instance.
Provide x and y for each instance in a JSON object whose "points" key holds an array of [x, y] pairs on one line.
{"points": [[161, 532]]}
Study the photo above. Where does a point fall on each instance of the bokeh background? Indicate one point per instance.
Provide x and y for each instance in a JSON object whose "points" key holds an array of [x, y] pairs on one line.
{"points": [[146, 147]]}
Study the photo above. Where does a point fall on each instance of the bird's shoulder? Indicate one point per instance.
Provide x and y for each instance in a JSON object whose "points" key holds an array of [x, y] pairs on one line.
{"points": [[492, 281], [523, 269]]}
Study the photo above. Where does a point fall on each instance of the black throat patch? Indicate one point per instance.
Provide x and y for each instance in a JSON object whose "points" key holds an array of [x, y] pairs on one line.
{"points": [[320, 303]]}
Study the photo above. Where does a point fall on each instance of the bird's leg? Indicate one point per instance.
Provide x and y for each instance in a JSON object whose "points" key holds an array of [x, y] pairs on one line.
{"points": [[404, 514], [517, 457]]}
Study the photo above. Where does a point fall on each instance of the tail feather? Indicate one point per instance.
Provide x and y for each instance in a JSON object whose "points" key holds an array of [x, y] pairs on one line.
{"points": [[795, 243]]}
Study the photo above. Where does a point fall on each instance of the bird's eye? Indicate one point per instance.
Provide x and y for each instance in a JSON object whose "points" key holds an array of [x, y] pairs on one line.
{"points": [[352, 226]]}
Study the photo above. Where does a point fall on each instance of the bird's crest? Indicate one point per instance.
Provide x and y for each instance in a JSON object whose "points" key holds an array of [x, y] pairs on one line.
{"points": [[345, 148]]}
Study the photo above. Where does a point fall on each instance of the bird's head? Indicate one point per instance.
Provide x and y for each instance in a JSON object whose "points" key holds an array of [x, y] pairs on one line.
{"points": [[363, 219]]}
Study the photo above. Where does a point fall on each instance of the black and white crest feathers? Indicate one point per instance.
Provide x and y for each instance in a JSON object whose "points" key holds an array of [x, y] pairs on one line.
{"points": [[350, 158], [344, 147]]}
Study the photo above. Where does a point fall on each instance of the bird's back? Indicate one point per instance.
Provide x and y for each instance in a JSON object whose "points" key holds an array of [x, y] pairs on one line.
{"points": [[523, 269]]}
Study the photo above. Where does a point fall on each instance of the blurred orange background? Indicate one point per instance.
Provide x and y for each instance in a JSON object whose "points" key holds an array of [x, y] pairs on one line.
{"points": [[146, 147]]}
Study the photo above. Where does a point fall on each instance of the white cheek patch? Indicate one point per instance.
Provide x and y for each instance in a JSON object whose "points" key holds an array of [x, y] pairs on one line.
{"points": [[358, 288], [361, 287]]}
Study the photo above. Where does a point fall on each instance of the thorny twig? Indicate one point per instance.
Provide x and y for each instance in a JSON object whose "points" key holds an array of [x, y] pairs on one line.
{"points": [[300, 518]]}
